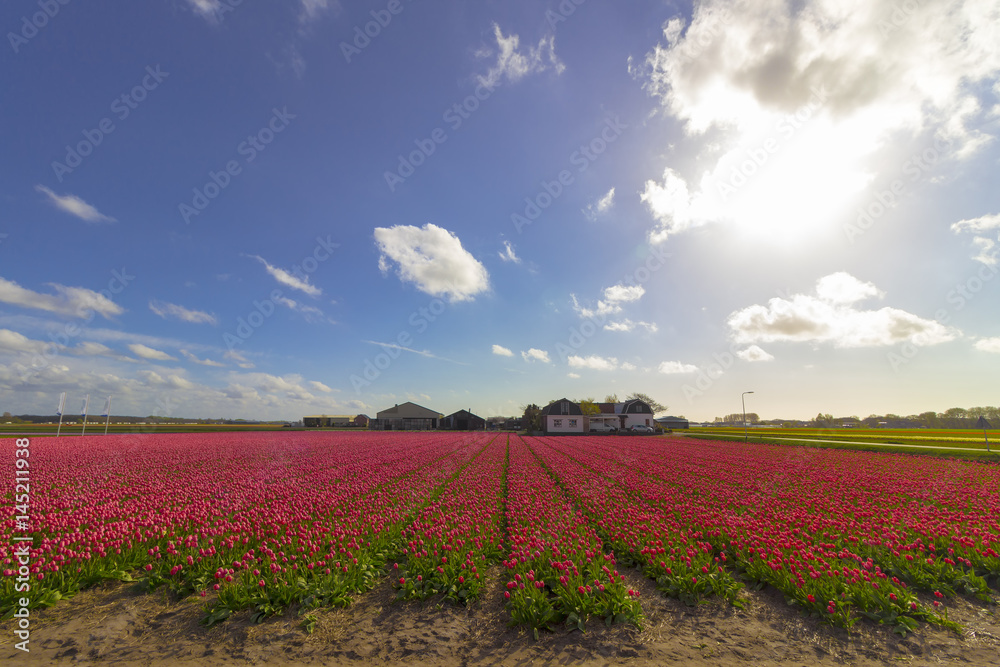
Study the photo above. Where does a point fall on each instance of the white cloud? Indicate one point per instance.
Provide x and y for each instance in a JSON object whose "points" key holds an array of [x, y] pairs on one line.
{"points": [[843, 288], [173, 380], [514, 65], [319, 386], [241, 392], [238, 359], [831, 316], [508, 254], [12, 341], [168, 391], [140, 350], [614, 296], [294, 386], [624, 293], [575, 376], [287, 279], [602, 205], [629, 325], [70, 301], [207, 9], [502, 351], [857, 74], [672, 206], [433, 259], [91, 349], [989, 250], [313, 9], [593, 362], [607, 201], [988, 345], [676, 367], [312, 313], [754, 353], [628, 367], [534, 354], [74, 206], [150, 377], [202, 362], [166, 310]]}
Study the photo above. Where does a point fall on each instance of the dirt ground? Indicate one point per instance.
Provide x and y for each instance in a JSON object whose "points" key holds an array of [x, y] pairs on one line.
{"points": [[113, 625]]}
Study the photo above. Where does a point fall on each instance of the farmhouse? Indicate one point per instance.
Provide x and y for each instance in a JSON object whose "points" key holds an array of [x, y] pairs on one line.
{"points": [[621, 415], [463, 420], [563, 416], [406, 417]]}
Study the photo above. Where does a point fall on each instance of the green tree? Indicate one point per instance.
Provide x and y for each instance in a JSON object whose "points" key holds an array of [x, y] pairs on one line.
{"points": [[611, 398], [589, 406], [824, 420], [648, 400], [532, 419], [929, 419]]}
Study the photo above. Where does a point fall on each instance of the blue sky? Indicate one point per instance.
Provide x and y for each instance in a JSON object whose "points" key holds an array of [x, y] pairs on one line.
{"points": [[219, 209]]}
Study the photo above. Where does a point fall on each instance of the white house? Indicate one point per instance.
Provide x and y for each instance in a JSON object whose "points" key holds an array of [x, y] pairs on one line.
{"points": [[623, 415], [563, 416]]}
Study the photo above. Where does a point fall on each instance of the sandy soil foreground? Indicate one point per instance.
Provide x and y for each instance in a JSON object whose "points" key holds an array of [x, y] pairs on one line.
{"points": [[113, 625]]}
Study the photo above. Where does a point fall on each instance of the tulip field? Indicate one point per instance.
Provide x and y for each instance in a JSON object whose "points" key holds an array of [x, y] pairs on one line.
{"points": [[563, 526]]}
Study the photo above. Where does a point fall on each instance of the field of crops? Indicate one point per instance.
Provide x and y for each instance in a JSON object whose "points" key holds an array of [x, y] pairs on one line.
{"points": [[267, 521]]}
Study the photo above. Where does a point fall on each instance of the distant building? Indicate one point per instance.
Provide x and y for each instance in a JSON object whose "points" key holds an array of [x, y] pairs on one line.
{"points": [[326, 421], [361, 421], [513, 424], [563, 416], [406, 417], [673, 423], [622, 415], [463, 420]]}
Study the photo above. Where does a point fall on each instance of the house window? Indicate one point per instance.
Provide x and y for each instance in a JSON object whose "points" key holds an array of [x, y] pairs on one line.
{"points": [[572, 422], [557, 423]]}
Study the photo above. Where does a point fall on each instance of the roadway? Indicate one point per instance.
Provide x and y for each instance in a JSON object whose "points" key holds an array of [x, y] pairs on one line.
{"points": [[879, 444]]}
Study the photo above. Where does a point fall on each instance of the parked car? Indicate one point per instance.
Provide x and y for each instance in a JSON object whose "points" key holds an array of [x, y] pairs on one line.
{"points": [[602, 427], [641, 428]]}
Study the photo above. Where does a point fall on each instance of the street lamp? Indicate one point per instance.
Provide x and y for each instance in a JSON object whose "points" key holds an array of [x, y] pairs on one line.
{"points": [[744, 401]]}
